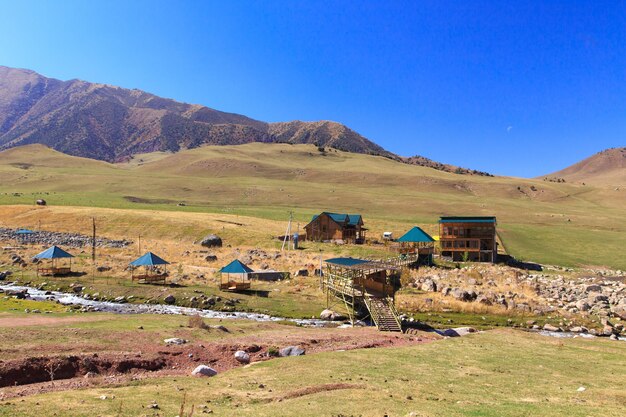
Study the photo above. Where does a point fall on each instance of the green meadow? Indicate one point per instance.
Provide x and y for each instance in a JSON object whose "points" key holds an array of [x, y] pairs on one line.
{"points": [[554, 223]]}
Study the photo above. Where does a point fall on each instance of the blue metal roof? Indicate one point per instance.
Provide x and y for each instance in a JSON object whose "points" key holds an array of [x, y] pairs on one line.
{"points": [[416, 234], [149, 259], [24, 232], [53, 252], [470, 219], [236, 267], [346, 261]]}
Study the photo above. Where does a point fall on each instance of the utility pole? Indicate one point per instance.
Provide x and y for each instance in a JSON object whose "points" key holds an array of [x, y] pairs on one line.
{"points": [[93, 241], [93, 249], [288, 232]]}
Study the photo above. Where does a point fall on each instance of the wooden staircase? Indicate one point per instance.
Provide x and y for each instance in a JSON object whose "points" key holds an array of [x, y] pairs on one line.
{"points": [[383, 313]]}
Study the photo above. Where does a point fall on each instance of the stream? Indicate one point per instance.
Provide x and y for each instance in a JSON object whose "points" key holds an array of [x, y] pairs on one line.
{"points": [[128, 308]]}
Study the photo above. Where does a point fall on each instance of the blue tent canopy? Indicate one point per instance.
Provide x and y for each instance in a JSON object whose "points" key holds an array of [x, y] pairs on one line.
{"points": [[149, 259], [417, 235], [24, 232], [236, 267], [346, 261], [53, 252]]}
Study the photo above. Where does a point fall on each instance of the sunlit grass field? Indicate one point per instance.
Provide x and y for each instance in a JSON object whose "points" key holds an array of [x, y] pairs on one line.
{"points": [[555, 223], [499, 373]]}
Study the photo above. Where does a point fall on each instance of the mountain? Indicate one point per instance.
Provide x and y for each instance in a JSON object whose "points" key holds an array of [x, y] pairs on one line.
{"points": [[604, 168], [110, 123]]}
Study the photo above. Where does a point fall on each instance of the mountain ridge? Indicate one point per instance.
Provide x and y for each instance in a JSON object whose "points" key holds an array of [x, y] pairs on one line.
{"points": [[106, 122]]}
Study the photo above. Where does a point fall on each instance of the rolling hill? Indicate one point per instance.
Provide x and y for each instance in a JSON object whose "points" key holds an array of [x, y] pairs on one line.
{"points": [[604, 168], [557, 223], [111, 123]]}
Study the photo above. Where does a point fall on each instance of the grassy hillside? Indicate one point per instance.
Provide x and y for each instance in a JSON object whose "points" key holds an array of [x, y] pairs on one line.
{"points": [[498, 373], [542, 221]]}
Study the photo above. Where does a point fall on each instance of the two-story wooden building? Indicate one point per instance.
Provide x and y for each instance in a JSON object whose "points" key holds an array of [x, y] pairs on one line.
{"points": [[335, 226], [468, 238]]}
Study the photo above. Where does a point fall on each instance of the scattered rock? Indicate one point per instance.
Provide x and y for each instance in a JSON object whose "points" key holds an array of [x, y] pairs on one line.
{"points": [[550, 328], [301, 273], [212, 241], [175, 341], [203, 370], [291, 351], [331, 315], [170, 299], [242, 356]]}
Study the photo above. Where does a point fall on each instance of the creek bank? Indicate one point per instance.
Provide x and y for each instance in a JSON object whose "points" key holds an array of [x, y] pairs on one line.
{"points": [[90, 305]]}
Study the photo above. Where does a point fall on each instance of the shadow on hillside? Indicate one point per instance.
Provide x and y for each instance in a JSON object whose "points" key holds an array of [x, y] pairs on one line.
{"points": [[256, 293], [512, 262]]}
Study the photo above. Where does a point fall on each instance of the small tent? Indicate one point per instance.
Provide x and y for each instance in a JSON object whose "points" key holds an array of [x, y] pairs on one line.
{"points": [[23, 234], [53, 254], [152, 272], [238, 269]]}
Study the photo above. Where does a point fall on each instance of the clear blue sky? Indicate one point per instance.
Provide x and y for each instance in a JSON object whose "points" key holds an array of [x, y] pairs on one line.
{"points": [[516, 88]]}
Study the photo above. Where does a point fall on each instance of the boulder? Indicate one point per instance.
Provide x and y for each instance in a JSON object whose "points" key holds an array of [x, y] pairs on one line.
{"points": [[242, 356], [483, 299], [593, 288], [203, 370], [579, 329], [429, 285], [457, 332], [175, 341], [210, 258], [582, 305], [331, 315], [170, 299], [291, 351], [550, 328], [460, 294], [326, 314], [301, 273], [212, 241]]}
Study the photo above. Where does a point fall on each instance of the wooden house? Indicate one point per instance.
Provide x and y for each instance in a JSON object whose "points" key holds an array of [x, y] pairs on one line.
{"points": [[335, 226], [468, 238]]}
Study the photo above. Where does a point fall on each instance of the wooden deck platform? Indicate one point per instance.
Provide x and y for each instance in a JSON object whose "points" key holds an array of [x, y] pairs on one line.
{"points": [[54, 271], [150, 278]]}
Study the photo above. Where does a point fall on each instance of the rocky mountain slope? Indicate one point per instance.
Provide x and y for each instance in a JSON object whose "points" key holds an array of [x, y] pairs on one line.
{"points": [[111, 123], [604, 168]]}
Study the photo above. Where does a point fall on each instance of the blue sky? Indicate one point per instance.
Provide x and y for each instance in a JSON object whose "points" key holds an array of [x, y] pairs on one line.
{"points": [[516, 88]]}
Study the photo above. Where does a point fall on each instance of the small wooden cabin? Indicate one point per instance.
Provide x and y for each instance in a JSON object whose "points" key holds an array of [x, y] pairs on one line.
{"points": [[468, 238], [335, 226]]}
